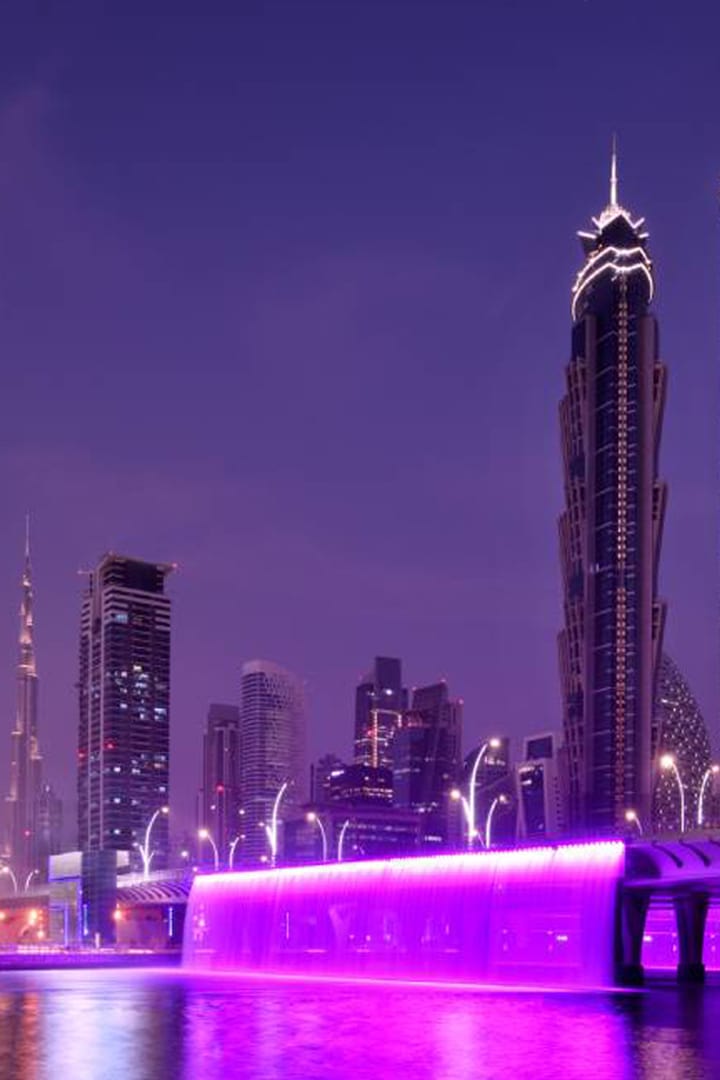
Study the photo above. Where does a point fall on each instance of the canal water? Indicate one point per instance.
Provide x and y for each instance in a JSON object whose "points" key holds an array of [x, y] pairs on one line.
{"points": [[159, 1025]]}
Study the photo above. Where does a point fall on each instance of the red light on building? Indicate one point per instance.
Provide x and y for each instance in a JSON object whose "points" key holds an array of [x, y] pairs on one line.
{"points": [[220, 788]]}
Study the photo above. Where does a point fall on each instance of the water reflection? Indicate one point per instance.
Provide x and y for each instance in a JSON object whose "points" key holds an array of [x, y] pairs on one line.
{"points": [[172, 1025]]}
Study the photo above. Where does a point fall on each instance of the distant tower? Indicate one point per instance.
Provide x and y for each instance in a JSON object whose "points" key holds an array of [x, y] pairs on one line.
{"points": [[272, 751], [611, 528], [26, 762], [124, 707], [427, 758], [678, 729], [220, 803], [380, 701]]}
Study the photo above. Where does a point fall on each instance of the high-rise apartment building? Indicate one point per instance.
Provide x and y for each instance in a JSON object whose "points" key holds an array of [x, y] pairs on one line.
{"points": [[124, 707], [427, 758], [380, 701], [611, 527], [272, 754], [220, 802], [25, 759]]}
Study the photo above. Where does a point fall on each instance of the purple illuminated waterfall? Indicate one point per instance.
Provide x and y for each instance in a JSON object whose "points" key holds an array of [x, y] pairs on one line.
{"points": [[528, 916]]}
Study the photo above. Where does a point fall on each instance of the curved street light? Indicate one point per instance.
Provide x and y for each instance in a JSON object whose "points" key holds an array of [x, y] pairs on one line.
{"points": [[205, 834], [28, 879], [471, 814], [632, 818], [667, 763], [341, 839], [457, 796], [272, 829], [231, 850], [145, 853], [712, 771], [8, 870], [311, 816], [499, 800]]}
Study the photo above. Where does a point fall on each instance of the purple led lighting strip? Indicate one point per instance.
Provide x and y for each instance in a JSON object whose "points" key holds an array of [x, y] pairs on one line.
{"points": [[526, 916]]}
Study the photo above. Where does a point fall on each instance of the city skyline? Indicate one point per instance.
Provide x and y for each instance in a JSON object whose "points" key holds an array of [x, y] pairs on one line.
{"points": [[372, 261]]}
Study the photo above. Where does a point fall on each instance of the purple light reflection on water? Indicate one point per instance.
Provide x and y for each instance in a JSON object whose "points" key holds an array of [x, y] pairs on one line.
{"points": [[180, 1025], [523, 917]]}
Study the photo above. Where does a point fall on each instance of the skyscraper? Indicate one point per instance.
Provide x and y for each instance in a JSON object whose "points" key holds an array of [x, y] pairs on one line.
{"points": [[427, 758], [380, 701], [678, 729], [124, 706], [220, 802], [25, 761], [611, 528], [272, 753]]}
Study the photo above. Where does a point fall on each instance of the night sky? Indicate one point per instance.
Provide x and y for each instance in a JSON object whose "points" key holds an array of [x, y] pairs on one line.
{"points": [[284, 298]]}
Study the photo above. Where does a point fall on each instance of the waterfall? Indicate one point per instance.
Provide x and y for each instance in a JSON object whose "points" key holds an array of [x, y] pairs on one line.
{"points": [[537, 916]]}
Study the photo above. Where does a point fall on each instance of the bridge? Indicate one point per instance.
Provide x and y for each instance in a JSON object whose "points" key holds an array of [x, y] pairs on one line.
{"points": [[682, 875]]}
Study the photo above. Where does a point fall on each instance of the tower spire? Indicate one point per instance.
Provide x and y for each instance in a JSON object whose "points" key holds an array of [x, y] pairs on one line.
{"points": [[27, 644], [613, 174]]}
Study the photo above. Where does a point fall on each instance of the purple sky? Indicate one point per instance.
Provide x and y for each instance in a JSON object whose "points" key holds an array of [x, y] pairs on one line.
{"points": [[284, 297]]}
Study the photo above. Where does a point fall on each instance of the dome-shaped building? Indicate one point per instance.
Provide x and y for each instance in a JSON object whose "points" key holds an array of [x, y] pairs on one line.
{"points": [[678, 729]]}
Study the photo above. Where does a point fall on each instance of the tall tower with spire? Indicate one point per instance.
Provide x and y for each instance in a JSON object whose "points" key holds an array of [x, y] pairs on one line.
{"points": [[25, 762], [611, 527]]}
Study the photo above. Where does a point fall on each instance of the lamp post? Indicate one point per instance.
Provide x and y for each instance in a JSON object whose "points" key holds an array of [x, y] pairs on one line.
{"points": [[8, 870], [313, 817], [144, 849], [457, 796], [28, 879], [712, 771], [632, 819], [500, 800], [667, 762], [341, 839], [472, 827], [272, 829], [231, 850], [205, 834]]}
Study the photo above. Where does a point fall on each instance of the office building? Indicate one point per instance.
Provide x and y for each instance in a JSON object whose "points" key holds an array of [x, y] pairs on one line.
{"points": [[220, 802], [272, 756], [124, 707], [427, 758], [380, 701], [611, 527], [541, 789]]}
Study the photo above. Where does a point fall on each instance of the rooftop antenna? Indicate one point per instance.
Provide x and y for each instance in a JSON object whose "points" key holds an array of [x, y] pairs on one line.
{"points": [[613, 173]]}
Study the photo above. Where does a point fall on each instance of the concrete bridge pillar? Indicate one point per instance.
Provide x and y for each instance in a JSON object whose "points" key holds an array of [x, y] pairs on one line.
{"points": [[691, 914], [631, 915]]}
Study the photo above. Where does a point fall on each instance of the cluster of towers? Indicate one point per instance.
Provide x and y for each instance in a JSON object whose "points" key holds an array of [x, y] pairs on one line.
{"points": [[625, 706]]}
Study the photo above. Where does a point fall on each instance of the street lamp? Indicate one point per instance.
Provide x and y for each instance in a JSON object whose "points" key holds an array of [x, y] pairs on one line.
{"points": [[341, 839], [8, 870], [491, 744], [205, 834], [311, 816], [231, 850], [272, 829], [457, 796], [632, 819], [667, 762], [145, 853], [28, 878], [712, 771], [500, 800]]}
